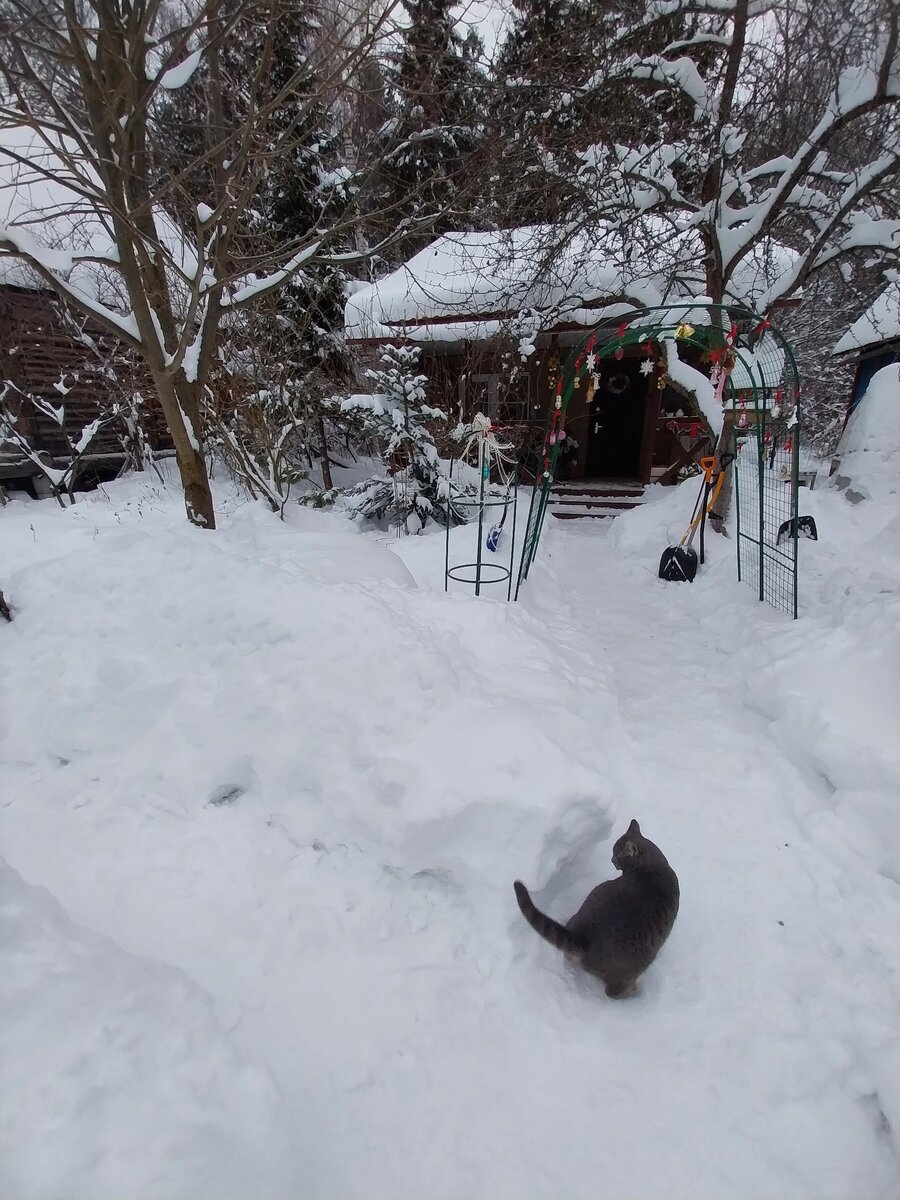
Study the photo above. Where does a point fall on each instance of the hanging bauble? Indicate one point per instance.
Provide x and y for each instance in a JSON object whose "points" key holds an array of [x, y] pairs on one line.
{"points": [[558, 402], [577, 382], [619, 354]]}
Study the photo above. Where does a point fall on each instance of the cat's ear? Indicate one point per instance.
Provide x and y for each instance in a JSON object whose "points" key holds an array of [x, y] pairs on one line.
{"points": [[633, 830]]}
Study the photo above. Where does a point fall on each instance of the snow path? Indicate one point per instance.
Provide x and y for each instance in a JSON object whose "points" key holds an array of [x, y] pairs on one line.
{"points": [[389, 759]]}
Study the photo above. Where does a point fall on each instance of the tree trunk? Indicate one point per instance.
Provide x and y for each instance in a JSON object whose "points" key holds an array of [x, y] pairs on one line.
{"points": [[327, 482], [198, 501]]}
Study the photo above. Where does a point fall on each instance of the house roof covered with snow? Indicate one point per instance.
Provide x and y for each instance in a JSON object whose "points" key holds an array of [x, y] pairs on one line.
{"points": [[466, 286], [879, 324], [45, 202], [38, 203]]}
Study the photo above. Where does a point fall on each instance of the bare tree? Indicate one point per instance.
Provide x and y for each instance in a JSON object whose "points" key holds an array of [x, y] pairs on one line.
{"points": [[84, 79], [790, 163]]}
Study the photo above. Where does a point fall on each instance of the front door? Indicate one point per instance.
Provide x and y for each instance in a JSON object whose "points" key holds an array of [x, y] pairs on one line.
{"points": [[616, 421]]}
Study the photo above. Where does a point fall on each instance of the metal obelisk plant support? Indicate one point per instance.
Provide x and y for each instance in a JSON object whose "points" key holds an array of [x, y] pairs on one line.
{"points": [[490, 451]]}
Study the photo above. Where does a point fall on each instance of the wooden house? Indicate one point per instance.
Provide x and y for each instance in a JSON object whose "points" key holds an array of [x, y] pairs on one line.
{"points": [[77, 367], [49, 354], [497, 314]]}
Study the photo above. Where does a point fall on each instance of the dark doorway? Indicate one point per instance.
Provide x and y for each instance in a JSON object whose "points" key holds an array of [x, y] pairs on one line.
{"points": [[616, 421]]}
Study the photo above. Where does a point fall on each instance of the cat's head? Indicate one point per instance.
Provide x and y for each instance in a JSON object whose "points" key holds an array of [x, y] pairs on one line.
{"points": [[632, 849]]}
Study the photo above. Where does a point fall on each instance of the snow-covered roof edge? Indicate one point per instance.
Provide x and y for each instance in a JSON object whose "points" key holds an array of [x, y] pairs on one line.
{"points": [[880, 323], [463, 286]]}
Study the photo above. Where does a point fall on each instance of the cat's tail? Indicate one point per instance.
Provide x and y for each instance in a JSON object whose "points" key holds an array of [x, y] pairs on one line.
{"points": [[557, 935]]}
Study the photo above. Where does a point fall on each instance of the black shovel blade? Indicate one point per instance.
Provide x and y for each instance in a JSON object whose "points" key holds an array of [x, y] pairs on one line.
{"points": [[806, 528], [678, 564]]}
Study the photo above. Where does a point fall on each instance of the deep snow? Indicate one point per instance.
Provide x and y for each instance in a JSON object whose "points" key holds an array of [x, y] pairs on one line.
{"points": [[292, 782]]}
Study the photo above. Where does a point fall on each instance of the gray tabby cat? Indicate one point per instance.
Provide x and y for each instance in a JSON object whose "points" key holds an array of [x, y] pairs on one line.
{"points": [[622, 925]]}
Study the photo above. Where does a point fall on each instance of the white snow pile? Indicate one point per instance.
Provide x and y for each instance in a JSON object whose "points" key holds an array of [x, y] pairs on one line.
{"points": [[277, 786], [869, 449], [115, 1072]]}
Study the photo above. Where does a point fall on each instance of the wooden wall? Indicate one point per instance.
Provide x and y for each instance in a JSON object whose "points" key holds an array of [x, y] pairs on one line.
{"points": [[40, 348]]}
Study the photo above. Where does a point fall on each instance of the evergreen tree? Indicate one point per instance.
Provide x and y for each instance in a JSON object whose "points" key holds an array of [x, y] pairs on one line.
{"points": [[399, 421], [559, 92], [433, 100], [303, 329]]}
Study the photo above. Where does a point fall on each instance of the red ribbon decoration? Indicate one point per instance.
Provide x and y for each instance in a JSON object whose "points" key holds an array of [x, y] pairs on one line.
{"points": [[622, 328]]}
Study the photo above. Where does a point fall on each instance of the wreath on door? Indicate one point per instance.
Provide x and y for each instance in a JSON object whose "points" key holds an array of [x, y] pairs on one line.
{"points": [[618, 384]]}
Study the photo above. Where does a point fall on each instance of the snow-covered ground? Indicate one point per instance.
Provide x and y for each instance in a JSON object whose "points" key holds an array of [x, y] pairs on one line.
{"points": [[277, 786]]}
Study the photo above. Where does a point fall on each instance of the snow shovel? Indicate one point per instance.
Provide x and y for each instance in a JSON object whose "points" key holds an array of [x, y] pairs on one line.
{"points": [[678, 564], [805, 527]]}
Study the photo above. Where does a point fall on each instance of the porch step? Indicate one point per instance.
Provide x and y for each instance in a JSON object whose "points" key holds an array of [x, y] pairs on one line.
{"points": [[594, 498]]}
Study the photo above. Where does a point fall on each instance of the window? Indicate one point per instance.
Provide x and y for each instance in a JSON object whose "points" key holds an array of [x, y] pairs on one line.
{"points": [[484, 393]]}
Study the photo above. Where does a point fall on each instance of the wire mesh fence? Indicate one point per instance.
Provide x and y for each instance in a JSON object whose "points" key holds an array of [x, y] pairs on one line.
{"points": [[764, 399]]}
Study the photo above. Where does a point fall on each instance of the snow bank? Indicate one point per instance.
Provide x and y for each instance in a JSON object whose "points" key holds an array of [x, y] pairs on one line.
{"points": [[307, 788], [117, 1079], [869, 450]]}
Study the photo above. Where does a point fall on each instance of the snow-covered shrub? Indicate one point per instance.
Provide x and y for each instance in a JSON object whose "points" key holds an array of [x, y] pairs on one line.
{"points": [[396, 418]]}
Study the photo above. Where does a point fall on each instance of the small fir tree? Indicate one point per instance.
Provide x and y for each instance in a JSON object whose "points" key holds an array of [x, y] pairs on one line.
{"points": [[399, 421]]}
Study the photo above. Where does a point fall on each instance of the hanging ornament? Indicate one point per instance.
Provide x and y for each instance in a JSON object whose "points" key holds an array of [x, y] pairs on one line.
{"points": [[648, 347], [591, 361], [620, 353], [558, 403], [684, 330], [743, 421], [647, 367], [622, 328]]}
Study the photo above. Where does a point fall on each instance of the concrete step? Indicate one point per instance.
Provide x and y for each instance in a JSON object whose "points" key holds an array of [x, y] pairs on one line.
{"points": [[594, 498]]}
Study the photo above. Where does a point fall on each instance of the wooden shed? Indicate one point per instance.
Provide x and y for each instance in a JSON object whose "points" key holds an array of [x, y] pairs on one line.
{"points": [[50, 353]]}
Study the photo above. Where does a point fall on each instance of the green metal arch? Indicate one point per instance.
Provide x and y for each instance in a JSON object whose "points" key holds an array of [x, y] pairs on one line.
{"points": [[764, 374]]}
